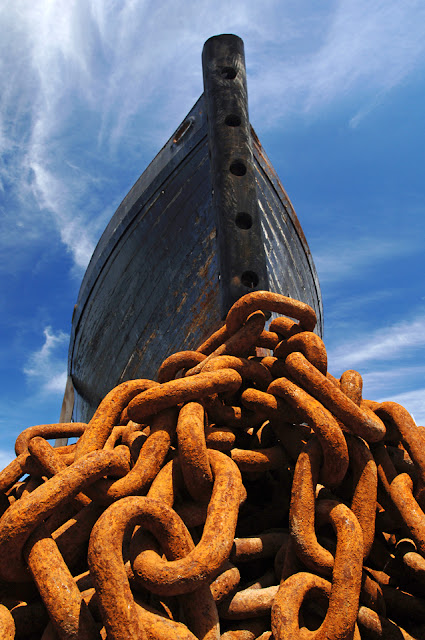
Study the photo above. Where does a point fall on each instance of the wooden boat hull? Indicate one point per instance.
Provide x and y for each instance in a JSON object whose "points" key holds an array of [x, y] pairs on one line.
{"points": [[152, 287]]}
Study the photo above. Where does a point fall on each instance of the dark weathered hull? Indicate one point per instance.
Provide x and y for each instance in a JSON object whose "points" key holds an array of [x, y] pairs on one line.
{"points": [[152, 286]]}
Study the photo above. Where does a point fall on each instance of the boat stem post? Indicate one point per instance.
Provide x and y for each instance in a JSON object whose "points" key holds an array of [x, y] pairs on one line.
{"points": [[241, 252]]}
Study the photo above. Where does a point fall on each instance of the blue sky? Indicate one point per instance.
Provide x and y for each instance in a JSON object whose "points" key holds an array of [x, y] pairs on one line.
{"points": [[92, 89]]}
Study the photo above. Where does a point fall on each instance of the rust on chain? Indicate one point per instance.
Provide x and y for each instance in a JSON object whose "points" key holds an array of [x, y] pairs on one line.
{"points": [[365, 424], [285, 327], [248, 603], [196, 505], [178, 361], [72, 536], [193, 451], [22, 464], [147, 465], [51, 463], [267, 405], [23, 516], [253, 460], [120, 613], [172, 393], [265, 545], [380, 627], [221, 438], [236, 417], [183, 576], [365, 486], [214, 341], [267, 301], [413, 562], [107, 415], [340, 620], [307, 343], [411, 436], [351, 383], [226, 582], [66, 607], [401, 489], [326, 428], [239, 343], [250, 369], [251, 629], [7, 624], [60, 430]]}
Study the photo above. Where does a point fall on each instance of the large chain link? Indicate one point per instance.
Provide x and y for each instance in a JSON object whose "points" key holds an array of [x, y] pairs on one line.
{"points": [[239, 496]]}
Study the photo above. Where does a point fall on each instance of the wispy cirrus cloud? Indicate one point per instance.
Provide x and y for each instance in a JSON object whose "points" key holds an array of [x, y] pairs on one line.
{"points": [[352, 255], [346, 308], [367, 42], [357, 256], [359, 51], [395, 383], [45, 367], [53, 195], [6, 456], [50, 62], [387, 359], [377, 380], [385, 344], [89, 90]]}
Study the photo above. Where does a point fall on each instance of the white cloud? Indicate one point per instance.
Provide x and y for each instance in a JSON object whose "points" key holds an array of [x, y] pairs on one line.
{"points": [[342, 310], [397, 383], [387, 361], [380, 42], [49, 71], [46, 368], [394, 377], [6, 456], [345, 257], [366, 49], [338, 259], [51, 195], [385, 344], [86, 87]]}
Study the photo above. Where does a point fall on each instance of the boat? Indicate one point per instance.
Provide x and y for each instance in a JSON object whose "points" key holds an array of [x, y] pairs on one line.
{"points": [[206, 222]]}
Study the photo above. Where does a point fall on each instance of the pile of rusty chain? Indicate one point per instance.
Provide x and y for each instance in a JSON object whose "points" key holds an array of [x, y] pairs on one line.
{"points": [[241, 494]]}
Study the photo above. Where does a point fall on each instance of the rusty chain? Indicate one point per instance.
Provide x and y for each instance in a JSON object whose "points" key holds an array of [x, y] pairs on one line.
{"points": [[239, 496]]}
